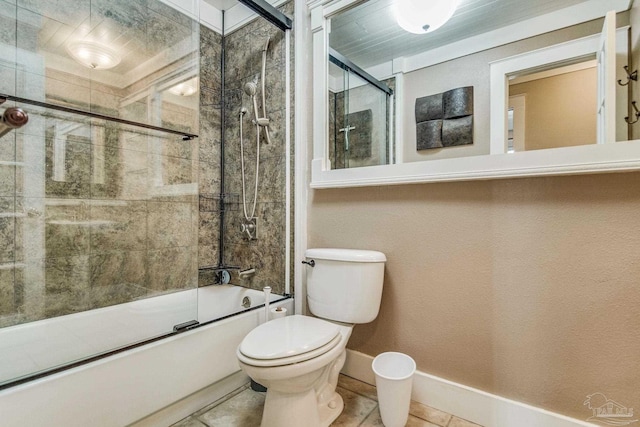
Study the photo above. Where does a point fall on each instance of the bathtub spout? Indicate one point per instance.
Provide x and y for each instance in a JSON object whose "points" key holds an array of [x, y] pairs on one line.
{"points": [[247, 273]]}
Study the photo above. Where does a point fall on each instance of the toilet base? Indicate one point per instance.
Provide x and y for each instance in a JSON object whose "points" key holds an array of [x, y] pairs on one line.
{"points": [[258, 387], [287, 410], [309, 399], [329, 413]]}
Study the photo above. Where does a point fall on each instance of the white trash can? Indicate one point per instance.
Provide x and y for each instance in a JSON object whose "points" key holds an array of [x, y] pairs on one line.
{"points": [[394, 378]]}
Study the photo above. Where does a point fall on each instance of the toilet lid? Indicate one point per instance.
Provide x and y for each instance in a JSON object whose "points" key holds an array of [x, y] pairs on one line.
{"points": [[288, 336]]}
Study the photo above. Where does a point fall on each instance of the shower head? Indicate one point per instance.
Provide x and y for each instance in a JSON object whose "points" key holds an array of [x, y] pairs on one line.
{"points": [[250, 88]]}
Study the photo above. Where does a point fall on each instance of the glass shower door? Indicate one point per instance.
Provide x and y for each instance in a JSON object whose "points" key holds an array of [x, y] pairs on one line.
{"points": [[98, 218], [360, 117]]}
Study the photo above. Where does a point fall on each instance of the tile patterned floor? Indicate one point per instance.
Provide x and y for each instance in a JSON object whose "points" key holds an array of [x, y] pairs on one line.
{"points": [[243, 408]]}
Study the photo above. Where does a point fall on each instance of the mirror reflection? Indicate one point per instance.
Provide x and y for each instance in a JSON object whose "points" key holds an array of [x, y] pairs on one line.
{"points": [[360, 117], [549, 106], [134, 60], [553, 108]]}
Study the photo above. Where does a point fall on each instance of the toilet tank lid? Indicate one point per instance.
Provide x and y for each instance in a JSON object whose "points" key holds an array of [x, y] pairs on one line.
{"points": [[351, 255]]}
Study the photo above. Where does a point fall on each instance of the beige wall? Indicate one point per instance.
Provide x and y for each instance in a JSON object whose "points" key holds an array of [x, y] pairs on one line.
{"points": [[526, 288], [560, 111], [474, 70], [634, 20]]}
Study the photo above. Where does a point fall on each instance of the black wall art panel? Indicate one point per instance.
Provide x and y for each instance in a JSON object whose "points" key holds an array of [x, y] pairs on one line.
{"points": [[445, 119]]}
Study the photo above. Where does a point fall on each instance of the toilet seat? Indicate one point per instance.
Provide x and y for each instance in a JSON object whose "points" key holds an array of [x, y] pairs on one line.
{"points": [[288, 340], [289, 360]]}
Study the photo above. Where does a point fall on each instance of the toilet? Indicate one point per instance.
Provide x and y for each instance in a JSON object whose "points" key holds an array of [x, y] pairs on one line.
{"points": [[298, 358]]}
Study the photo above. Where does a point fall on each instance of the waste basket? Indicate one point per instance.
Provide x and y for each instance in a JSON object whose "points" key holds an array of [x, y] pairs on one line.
{"points": [[394, 378]]}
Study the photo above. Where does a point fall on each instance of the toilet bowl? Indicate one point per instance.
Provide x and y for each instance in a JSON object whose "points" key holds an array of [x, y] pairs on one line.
{"points": [[298, 358]]}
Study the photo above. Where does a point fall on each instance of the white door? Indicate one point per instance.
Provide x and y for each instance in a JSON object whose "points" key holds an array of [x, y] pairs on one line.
{"points": [[607, 81], [516, 125]]}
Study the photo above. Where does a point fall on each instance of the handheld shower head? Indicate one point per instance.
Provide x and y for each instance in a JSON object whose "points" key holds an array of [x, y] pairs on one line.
{"points": [[250, 88]]}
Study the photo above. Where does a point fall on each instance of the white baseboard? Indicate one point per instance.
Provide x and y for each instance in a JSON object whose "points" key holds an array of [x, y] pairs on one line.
{"points": [[465, 402], [190, 404]]}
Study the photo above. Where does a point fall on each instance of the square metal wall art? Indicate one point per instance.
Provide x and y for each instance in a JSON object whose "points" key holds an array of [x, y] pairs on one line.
{"points": [[445, 119]]}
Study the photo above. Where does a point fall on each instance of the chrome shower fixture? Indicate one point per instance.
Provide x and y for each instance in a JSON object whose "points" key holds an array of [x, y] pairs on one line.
{"points": [[264, 121], [249, 225], [12, 118], [250, 88]]}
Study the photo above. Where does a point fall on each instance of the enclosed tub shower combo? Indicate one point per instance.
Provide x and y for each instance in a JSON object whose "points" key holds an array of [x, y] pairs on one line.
{"points": [[129, 214]]}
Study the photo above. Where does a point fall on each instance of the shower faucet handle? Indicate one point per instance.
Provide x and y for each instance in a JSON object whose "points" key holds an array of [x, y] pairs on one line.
{"points": [[249, 228]]}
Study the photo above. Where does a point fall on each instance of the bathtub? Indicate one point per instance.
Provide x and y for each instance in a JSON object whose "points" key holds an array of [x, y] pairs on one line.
{"points": [[128, 386]]}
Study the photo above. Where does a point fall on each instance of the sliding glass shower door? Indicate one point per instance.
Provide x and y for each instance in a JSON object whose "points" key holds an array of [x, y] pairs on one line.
{"points": [[99, 189], [360, 117]]}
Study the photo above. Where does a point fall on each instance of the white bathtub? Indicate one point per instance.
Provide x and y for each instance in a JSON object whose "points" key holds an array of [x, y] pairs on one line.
{"points": [[121, 389]]}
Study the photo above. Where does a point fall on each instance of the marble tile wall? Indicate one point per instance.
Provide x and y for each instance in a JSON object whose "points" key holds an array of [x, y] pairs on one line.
{"points": [[209, 153], [336, 121], [243, 60]]}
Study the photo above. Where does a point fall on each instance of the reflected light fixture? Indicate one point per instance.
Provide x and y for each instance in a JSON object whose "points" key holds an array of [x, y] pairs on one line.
{"points": [[93, 55], [186, 88], [424, 16]]}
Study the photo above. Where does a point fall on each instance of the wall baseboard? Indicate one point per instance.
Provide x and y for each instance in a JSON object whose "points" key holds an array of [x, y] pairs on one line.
{"points": [[192, 403], [465, 402]]}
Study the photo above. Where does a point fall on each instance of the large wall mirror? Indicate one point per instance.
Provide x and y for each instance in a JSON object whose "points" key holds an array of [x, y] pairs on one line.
{"points": [[504, 88]]}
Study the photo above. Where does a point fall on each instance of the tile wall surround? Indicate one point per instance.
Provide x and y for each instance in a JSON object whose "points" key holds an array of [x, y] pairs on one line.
{"points": [[266, 254], [209, 144], [117, 216]]}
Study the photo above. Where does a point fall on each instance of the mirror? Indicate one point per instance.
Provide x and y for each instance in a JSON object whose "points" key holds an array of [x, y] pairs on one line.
{"points": [[360, 117], [543, 109], [433, 71]]}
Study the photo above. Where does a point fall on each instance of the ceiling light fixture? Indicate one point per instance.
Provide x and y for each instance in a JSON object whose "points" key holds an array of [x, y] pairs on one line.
{"points": [[186, 88], [93, 55], [424, 16]]}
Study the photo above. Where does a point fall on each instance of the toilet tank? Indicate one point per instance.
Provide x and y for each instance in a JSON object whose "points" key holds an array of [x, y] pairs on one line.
{"points": [[344, 285]]}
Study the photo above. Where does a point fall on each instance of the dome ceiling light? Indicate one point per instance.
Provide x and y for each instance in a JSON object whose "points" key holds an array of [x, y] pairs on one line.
{"points": [[424, 16], [93, 55], [186, 88]]}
